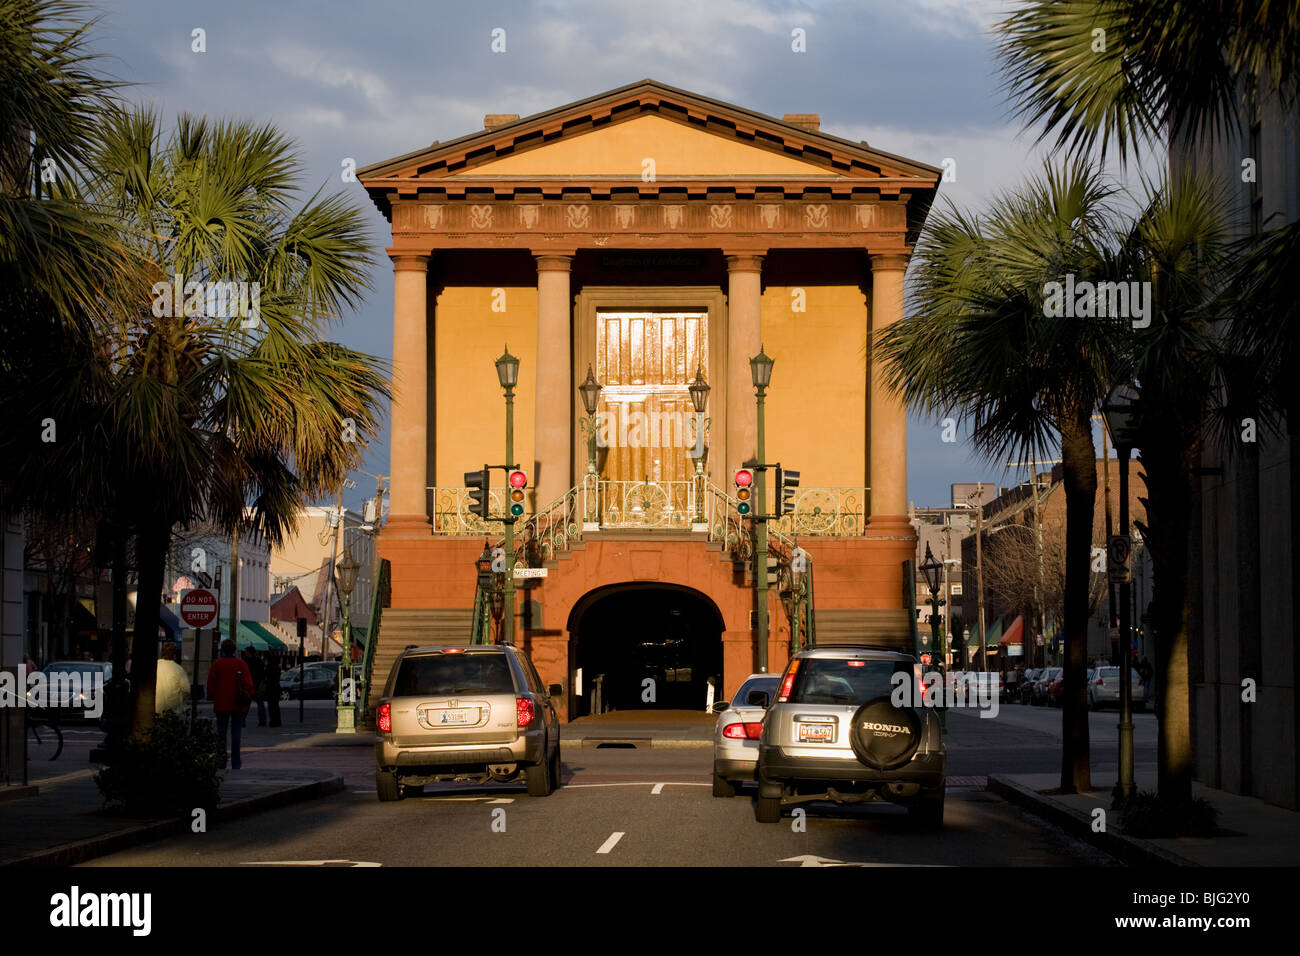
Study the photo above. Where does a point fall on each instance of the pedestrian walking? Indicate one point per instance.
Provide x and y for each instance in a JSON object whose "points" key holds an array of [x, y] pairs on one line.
{"points": [[172, 686], [230, 688], [272, 689], [1147, 673]]}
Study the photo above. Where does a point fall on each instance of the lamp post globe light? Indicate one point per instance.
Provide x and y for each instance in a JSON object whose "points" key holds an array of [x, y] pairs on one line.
{"points": [[590, 392], [346, 573], [699, 390], [508, 375], [760, 370], [1122, 411]]}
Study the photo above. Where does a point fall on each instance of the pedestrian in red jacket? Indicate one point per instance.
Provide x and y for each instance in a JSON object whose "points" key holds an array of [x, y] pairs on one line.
{"points": [[230, 688]]}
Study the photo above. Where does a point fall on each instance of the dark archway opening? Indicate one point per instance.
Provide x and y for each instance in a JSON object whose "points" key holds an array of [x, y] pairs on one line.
{"points": [[644, 647]]}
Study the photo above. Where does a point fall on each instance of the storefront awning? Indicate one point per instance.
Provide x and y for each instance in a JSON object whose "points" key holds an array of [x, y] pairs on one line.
{"points": [[254, 635], [1015, 634]]}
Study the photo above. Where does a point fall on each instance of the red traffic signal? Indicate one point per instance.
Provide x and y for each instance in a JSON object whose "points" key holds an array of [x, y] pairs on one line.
{"points": [[744, 478], [518, 479]]}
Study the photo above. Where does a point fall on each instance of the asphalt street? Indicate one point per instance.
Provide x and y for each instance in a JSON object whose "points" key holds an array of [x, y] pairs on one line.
{"points": [[647, 807]]}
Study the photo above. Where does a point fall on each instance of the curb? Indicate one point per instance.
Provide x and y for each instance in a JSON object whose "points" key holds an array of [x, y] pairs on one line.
{"points": [[1131, 851], [70, 854]]}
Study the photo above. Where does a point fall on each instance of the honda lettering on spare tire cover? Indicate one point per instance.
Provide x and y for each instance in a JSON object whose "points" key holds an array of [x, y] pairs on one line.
{"points": [[883, 736]]}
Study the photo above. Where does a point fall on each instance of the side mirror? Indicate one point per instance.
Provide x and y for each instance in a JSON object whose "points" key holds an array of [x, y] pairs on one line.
{"points": [[720, 705], [555, 690], [758, 698]]}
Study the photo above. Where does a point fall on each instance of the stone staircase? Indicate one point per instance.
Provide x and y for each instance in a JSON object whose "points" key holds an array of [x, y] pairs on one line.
{"points": [[424, 628], [888, 627]]}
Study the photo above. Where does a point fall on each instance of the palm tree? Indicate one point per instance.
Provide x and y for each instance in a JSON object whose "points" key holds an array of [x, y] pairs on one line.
{"points": [[1137, 73], [234, 414], [979, 340], [1182, 245]]}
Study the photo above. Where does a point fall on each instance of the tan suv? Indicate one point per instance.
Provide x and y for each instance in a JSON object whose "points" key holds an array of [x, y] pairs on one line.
{"points": [[465, 714]]}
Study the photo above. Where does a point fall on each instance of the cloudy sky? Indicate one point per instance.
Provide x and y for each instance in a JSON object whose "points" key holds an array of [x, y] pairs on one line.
{"points": [[375, 80]]}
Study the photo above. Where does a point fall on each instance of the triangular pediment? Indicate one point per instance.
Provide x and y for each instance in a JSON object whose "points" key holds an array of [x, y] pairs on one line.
{"points": [[607, 139]]}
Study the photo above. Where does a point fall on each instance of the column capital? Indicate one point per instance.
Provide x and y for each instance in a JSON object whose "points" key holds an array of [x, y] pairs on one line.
{"points": [[744, 261], [888, 262], [409, 261], [554, 261]]}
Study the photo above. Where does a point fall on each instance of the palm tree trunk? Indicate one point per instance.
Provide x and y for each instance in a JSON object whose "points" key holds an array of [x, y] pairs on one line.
{"points": [[1079, 476], [1169, 469], [151, 557]]}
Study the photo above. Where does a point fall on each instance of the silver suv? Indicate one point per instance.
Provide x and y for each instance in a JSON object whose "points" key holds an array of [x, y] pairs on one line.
{"points": [[835, 733], [465, 714]]}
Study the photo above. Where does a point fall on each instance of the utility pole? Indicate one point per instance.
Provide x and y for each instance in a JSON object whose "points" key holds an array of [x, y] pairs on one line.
{"points": [[327, 613], [1040, 587], [979, 570], [234, 586]]}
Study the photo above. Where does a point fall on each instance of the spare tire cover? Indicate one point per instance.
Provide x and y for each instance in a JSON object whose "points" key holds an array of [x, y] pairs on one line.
{"points": [[883, 736]]}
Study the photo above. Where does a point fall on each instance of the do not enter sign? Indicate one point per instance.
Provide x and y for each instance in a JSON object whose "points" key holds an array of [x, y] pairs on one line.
{"points": [[198, 607]]}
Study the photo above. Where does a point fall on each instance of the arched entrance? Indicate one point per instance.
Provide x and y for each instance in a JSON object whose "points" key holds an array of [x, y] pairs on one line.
{"points": [[643, 646]]}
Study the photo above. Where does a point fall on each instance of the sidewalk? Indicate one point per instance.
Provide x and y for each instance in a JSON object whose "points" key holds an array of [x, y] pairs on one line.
{"points": [[1252, 832], [63, 824], [643, 729]]}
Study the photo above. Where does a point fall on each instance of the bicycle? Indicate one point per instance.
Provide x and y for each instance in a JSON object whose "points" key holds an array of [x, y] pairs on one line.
{"points": [[44, 738]]}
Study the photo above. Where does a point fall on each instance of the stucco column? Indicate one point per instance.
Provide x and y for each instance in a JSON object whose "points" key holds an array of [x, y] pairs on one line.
{"points": [[552, 431], [888, 438], [744, 339], [408, 454]]}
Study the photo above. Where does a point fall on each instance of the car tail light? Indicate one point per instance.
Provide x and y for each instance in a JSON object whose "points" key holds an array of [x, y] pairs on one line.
{"points": [[454, 650], [385, 718], [524, 711], [787, 685], [747, 731], [754, 729], [1100, 682]]}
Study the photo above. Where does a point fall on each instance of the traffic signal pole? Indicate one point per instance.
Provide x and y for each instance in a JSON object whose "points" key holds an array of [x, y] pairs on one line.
{"points": [[508, 589]]}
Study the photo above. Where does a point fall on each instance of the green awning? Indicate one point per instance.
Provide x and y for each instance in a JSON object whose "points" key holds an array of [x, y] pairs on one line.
{"points": [[255, 635], [995, 633]]}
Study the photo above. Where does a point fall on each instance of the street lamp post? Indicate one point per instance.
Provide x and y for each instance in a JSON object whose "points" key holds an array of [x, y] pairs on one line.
{"points": [[760, 369], [590, 392], [346, 571], [931, 569], [508, 375], [1121, 411], [699, 390]]}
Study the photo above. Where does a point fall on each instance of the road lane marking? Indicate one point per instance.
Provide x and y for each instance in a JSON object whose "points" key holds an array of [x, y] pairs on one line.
{"points": [[503, 800], [659, 788], [611, 842], [643, 783], [309, 863]]}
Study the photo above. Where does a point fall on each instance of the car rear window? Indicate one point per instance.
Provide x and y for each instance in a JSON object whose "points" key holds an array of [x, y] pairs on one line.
{"points": [[829, 681], [452, 675], [769, 684]]}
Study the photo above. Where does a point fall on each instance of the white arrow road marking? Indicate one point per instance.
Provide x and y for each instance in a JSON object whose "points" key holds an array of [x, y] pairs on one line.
{"points": [[309, 863], [659, 788], [610, 843]]}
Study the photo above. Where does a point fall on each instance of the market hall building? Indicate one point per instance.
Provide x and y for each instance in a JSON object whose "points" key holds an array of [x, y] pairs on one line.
{"points": [[644, 240]]}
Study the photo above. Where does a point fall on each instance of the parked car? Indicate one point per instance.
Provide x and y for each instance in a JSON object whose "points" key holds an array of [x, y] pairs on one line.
{"points": [[736, 733], [1024, 693], [320, 681], [1055, 692], [834, 733], [1038, 691], [465, 714], [71, 688], [1104, 689]]}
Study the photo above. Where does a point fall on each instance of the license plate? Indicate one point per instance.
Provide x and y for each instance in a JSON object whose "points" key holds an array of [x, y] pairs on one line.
{"points": [[816, 733], [457, 718]]}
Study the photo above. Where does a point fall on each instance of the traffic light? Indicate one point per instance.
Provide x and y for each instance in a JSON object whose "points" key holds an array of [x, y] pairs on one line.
{"points": [[518, 481], [477, 483], [744, 490], [787, 483]]}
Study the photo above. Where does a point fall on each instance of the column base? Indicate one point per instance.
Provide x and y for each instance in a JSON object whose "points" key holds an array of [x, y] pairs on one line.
{"points": [[890, 526], [407, 526]]}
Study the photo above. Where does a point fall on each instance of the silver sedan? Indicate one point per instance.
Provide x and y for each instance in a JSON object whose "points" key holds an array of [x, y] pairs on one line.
{"points": [[735, 736]]}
